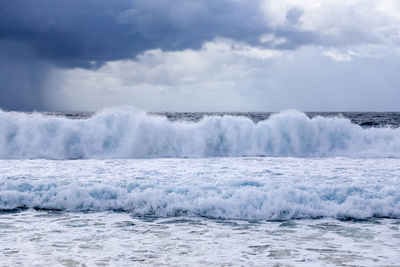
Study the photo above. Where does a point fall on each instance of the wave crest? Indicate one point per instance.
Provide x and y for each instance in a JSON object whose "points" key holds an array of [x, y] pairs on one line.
{"points": [[235, 202], [129, 133]]}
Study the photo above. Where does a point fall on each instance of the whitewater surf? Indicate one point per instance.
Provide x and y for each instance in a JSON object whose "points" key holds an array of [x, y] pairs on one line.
{"points": [[129, 133], [288, 189]]}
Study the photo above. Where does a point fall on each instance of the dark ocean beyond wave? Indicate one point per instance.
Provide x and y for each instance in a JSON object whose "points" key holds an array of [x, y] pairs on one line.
{"points": [[364, 119]]}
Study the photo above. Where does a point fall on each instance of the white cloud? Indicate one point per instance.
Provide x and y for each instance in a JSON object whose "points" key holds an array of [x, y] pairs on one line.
{"points": [[272, 40], [348, 29], [343, 21], [166, 80], [368, 51], [336, 55], [227, 76], [279, 54]]}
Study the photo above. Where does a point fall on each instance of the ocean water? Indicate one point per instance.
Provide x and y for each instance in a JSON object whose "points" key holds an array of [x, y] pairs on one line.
{"points": [[127, 188]]}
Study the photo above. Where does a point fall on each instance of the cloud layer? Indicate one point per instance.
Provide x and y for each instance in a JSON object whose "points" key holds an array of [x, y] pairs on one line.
{"points": [[79, 31], [178, 54]]}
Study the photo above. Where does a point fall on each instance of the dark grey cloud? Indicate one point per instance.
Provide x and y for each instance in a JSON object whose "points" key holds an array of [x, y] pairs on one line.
{"points": [[74, 32], [22, 75], [64, 31], [37, 35]]}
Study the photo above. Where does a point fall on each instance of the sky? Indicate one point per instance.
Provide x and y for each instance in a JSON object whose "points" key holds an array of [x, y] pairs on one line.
{"points": [[203, 55]]}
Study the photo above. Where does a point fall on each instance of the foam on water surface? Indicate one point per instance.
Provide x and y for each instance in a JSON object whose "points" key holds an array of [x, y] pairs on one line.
{"points": [[150, 191], [33, 238], [227, 188]]}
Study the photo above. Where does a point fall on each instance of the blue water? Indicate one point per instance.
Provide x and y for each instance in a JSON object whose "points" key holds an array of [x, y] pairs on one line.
{"points": [[125, 187]]}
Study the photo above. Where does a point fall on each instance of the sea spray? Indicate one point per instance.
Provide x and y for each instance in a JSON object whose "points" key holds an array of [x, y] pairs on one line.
{"points": [[129, 133]]}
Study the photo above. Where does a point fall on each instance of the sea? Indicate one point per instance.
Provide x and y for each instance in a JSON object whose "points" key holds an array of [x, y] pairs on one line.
{"points": [[124, 187]]}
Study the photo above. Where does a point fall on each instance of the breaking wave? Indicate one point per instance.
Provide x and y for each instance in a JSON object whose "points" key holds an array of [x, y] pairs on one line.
{"points": [[241, 201], [128, 133]]}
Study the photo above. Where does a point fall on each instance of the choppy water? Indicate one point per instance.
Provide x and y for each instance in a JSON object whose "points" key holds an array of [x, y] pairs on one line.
{"points": [[38, 238], [123, 188]]}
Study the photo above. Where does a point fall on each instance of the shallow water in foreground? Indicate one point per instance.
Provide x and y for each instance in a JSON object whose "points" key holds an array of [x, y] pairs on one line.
{"points": [[38, 238], [207, 212]]}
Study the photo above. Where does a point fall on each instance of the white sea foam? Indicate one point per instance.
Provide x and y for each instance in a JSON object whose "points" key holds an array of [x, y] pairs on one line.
{"points": [[237, 203], [239, 188], [304, 180], [128, 133]]}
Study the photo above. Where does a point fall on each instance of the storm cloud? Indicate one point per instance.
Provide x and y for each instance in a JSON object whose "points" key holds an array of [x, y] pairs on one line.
{"points": [[38, 35], [45, 45], [75, 32]]}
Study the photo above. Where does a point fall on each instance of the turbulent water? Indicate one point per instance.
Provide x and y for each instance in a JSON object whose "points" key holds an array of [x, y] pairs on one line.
{"points": [[123, 187], [128, 133]]}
